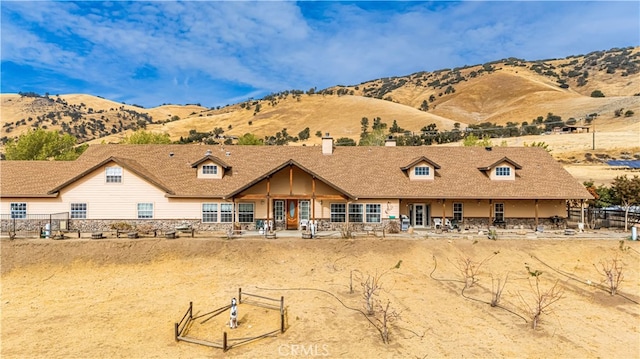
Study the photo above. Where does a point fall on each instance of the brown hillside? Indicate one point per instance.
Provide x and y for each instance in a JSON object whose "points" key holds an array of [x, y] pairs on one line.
{"points": [[507, 90]]}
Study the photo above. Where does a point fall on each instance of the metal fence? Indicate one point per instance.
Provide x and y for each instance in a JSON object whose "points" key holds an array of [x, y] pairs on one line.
{"points": [[604, 217], [33, 225]]}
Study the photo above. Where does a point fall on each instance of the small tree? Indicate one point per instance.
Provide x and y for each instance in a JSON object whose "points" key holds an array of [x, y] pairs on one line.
{"points": [[304, 134], [371, 287], [542, 299], [497, 286], [613, 272], [627, 192], [385, 315], [597, 93], [40, 144], [249, 139]]}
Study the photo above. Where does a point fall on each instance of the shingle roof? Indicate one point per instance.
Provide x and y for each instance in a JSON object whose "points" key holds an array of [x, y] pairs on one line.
{"points": [[359, 172]]}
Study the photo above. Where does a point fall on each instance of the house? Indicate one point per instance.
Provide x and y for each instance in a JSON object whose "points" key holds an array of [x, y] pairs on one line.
{"points": [[214, 187]]}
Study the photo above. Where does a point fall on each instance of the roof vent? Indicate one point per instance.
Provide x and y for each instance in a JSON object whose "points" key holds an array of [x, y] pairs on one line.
{"points": [[170, 154], [488, 148], [208, 153], [228, 153]]}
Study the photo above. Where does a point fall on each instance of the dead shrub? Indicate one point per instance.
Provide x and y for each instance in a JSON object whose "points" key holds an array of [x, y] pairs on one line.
{"points": [[541, 299], [613, 272]]}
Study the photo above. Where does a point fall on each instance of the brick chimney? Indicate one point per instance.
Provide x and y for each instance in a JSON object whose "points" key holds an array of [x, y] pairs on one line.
{"points": [[327, 144]]}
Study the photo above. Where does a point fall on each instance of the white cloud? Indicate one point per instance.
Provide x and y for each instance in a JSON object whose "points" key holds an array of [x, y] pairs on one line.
{"points": [[264, 47]]}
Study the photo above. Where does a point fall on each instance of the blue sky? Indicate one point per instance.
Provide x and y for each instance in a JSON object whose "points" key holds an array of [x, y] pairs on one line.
{"points": [[224, 52]]}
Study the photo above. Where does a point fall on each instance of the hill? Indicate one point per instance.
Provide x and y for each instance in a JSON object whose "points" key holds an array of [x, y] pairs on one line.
{"points": [[507, 92]]}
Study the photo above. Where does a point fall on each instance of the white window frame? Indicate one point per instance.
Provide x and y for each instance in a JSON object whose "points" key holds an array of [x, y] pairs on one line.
{"points": [[278, 210], [226, 212], [18, 210], [498, 212], [113, 174], [422, 171], [373, 212], [209, 169], [458, 211], [246, 212], [503, 171], [338, 212], [78, 211], [356, 212], [145, 210], [209, 212], [305, 210]]}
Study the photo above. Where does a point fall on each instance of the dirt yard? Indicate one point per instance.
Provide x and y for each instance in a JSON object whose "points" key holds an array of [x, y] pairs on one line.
{"points": [[120, 298]]}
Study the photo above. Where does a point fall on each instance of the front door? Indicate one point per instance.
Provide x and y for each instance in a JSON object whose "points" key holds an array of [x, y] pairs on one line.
{"points": [[292, 214], [418, 215]]}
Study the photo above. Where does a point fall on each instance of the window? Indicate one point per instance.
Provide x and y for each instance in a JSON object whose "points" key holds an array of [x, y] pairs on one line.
{"points": [[210, 170], [18, 210], [226, 212], [209, 212], [145, 210], [78, 210], [245, 212], [278, 210], [373, 213], [503, 171], [499, 212], [457, 211], [338, 212], [355, 212], [114, 174], [304, 210], [422, 171]]}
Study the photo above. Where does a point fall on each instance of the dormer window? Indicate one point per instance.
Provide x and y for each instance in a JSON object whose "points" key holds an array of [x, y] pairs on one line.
{"points": [[113, 175], [421, 168], [210, 170], [503, 171], [422, 171]]}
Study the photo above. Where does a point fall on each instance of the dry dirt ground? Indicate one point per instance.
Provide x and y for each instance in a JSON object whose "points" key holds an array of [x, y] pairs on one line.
{"points": [[120, 298]]}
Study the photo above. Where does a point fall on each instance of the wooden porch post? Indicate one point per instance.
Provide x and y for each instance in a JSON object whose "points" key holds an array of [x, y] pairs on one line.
{"points": [[536, 213], [444, 217], [290, 180], [268, 200], [582, 211], [313, 197], [490, 212]]}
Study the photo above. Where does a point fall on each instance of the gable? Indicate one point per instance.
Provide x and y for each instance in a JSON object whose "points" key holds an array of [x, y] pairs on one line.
{"points": [[501, 170], [421, 168]]}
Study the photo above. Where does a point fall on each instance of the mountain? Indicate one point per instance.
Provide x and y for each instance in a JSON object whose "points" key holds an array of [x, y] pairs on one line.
{"points": [[506, 91]]}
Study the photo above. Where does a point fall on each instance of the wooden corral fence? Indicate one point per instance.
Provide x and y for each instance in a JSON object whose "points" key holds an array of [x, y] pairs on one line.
{"points": [[182, 327]]}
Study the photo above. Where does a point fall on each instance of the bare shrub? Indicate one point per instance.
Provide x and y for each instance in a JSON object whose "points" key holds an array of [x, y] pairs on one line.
{"points": [[470, 269], [384, 316], [393, 227], [371, 286], [541, 299], [497, 286], [346, 231], [613, 272]]}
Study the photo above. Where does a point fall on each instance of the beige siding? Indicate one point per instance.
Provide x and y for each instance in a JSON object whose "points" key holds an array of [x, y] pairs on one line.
{"points": [[217, 175], [414, 177], [512, 173]]}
